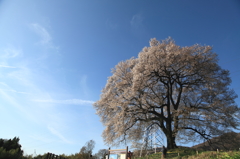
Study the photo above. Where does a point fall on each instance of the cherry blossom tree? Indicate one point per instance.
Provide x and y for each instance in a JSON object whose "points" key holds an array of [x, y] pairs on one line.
{"points": [[182, 90]]}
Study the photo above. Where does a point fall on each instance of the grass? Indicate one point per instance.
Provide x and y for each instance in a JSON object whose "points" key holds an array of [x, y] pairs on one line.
{"points": [[187, 153]]}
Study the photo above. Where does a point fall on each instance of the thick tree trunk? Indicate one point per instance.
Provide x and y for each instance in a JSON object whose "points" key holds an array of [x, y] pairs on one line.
{"points": [[171, 144], [170, 135]]}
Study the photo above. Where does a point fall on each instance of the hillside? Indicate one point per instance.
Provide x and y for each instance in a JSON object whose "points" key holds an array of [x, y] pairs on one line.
{"points": [[227, 141]]}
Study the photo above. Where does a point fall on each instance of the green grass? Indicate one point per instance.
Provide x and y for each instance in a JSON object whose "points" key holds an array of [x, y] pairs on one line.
{"points": [[187, 153]]}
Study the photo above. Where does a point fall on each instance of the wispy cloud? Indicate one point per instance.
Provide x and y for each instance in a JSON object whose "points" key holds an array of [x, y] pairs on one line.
{"points": [[58, 134], [4, 84], [45, 37], [84, 86], [137, 25], [11, 90], [5, 66], [10, 52], [136, 21], [68, 101], [42, 32], [15, 103]]}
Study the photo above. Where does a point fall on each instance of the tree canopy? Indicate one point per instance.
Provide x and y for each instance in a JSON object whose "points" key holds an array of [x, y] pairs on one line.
{"points": [[181, 90]]}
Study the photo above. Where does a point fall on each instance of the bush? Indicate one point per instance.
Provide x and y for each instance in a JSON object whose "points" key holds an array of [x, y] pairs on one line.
{"points": [[13, 153], [10, 149]]}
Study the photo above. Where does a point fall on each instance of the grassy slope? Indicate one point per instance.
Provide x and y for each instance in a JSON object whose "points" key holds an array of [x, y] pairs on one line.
{"points": [[187, 153]]}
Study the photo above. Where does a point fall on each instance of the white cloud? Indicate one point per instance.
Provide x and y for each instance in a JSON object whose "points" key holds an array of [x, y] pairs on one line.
{"points": [[23, 76], [136, 21], [4, 84], [137, 26], [15, 103], [68, 101], [42, 32], [5, 66], [10, 52], [45, 37], [12, 90], [84, 86]]}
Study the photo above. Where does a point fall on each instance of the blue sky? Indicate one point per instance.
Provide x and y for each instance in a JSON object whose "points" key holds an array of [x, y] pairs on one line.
{"points": [[55, 57]]}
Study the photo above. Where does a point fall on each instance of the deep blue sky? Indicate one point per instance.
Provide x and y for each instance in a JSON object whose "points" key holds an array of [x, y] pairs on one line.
{"points": [[56, 56]]}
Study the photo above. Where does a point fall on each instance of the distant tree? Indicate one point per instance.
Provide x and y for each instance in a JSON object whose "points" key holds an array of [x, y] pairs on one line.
{"points": [[86, 151], [101, 153], [90, 146], [83, 154], [83, 150], [73, 156], [182, 90], [1, 142], [27, 156], [10, 149]]}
